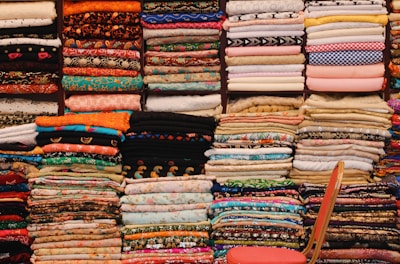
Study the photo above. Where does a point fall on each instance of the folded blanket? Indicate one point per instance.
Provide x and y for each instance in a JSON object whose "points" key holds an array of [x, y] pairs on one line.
{"points": [[345, 84], [243, 7], [182, 103], [101, 83], [103, 102], [30, 10], [118, 121], [71, 7], [353, 71]]}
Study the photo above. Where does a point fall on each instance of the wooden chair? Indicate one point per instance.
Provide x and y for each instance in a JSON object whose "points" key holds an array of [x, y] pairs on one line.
{"points": [[275, 255]]}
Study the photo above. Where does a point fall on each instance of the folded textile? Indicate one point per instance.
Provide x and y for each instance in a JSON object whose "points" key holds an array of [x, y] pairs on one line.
{"points": [[185, 86], [29, 88], [101, 83], [262, 50], [98, 102], [102, 62], [185, 16], [153, 33], [71, 7], [242, 7], [182, 103], [102, 43], [372, 18], [345, 84], [182, 216], [350, 71], [102, 17], [265, 59], [93, 71], [131, 54], [25, 22], [245, 86], [179, 7], [346, 57], [31, 9], [118, 121], [377, 30]]}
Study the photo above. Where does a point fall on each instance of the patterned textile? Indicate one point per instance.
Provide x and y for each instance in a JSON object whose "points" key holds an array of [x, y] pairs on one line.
{"points": [[347, 57], [181, 6], [176, 17], [119, 121], [28, 88], [102, 83], [100, 31], [103, 62], [24, 77], [102, 17], [102, 43], [98, 102], [71, 7]]}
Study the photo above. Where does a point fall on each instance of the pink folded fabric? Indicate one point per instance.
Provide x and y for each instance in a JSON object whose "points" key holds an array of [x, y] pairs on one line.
{"points": [[262, 50], [353, 71], [345, 84]]}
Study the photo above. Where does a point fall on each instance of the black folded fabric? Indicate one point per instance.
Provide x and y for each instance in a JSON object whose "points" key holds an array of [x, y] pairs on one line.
{"points": [[76, 137], [140, 167], [48, 29], [168, 122]]}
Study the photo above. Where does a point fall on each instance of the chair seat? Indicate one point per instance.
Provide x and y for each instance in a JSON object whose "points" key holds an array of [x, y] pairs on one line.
{"points": [[264, 255]]}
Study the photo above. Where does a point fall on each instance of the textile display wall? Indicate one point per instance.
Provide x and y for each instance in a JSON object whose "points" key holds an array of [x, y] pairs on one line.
{"points": [[344, 44], [264, 45], [102, 43], [181, 53], [185, 128], [74, 207]]}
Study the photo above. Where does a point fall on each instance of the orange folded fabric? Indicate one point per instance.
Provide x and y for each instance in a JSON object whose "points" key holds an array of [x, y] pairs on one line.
{"points": [[71, 8], [118, 121]]}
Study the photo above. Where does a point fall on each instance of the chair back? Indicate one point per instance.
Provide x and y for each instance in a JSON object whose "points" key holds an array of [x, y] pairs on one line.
{"points": [[325, 211]]}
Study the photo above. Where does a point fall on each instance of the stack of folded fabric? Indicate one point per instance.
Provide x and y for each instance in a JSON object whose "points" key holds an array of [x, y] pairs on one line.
{"points": [[255, 139], [256, 213], [29, 47], [166, 144], [18, 156], [102, 42], [394, 41], [182, 42], [345, 42], [264, 45], [74, 203], [349, 127], [389, 165], [165, 220], [362, 227], [20, 111]]}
